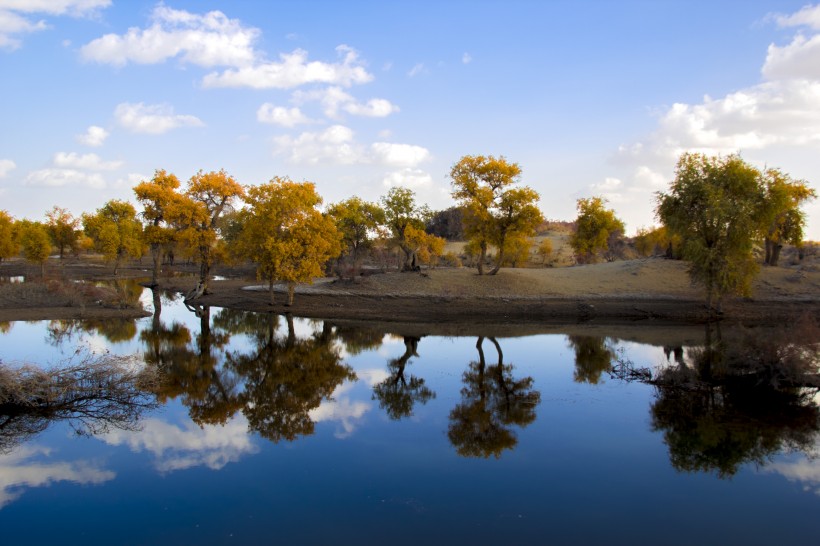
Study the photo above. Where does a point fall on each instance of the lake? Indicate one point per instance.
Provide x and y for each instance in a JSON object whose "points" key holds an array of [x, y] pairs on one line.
{"points": [[228, 427]]}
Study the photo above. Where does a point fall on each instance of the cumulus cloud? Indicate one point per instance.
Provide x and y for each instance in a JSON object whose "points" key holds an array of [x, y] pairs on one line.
{"points": [[207, 40], [59, 177], [6, 166], [94, 136], [279, 115], [334, 145], [399, 155], [335, 100], [91, 162], [180, 447], [25, 468], [152, 119], [292, 70], [408, 178], [340, 409], [337, 145], [782, 112], [19, 16]]}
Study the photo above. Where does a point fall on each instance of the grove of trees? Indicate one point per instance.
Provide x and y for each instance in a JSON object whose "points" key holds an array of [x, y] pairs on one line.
{"points": [[717, 214]]}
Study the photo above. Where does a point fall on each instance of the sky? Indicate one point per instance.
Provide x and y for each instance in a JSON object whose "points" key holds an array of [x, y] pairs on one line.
{"points": [[588, 97]]}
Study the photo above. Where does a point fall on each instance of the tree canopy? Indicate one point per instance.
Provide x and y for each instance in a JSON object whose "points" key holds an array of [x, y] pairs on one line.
{"points": [[115, 230], [158, 197], [494, 211], [596, 229], [401, 211], [714, 205]]}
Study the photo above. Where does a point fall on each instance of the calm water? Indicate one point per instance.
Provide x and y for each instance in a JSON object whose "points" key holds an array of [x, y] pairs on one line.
{"points": [[270, 430]]}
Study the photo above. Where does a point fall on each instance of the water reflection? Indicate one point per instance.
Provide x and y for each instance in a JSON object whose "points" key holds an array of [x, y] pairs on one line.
{"points": [[397, 394], [94, 395], [594, 356], [492, 401], [739, 399]]}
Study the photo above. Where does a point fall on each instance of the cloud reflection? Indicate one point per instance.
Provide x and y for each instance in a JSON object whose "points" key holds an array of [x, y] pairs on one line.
{"points": [[341, 409], [18, 471], [181, 447]]}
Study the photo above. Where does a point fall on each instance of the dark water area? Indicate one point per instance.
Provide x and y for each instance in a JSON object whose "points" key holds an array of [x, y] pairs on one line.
{"points": [[213, 426]]}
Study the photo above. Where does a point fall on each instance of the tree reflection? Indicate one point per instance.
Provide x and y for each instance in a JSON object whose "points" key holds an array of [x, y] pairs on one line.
{"points": [[740, 400], [194, 373], [397, 395], [492, 401], [285, 378], [92, 396], [593, 357]]}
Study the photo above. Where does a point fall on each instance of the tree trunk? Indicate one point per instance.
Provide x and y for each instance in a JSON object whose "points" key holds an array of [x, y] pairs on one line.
{"points": [[156, 254], [205, 267], [271, 292], [291, 292], [776, 248], [767, 243], [481, 257], [500, 259]]}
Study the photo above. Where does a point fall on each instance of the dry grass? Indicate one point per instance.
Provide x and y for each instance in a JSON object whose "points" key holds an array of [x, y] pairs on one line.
{"points": [[58, 294]]}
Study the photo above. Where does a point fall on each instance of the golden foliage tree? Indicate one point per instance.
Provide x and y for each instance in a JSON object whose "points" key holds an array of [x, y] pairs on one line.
{"points": [[783, 221], [495, 210], [35, 243], [115, 230], [62, 228], [284, 233], [158, 197], [596, 227], [197, 216], [427, 247], [8, 240], [401, 211]]}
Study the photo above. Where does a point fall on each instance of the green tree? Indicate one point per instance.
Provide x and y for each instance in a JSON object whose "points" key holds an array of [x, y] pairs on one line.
{"points": [[158, 198], [284, 233], [596, 228], [62, 228], [401, 212], [495, 212], [714, 206], [35, 243], [783, 221], [9, 246], [115, 230]]}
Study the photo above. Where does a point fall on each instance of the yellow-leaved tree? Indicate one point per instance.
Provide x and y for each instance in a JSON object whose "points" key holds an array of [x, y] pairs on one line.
{"points": [[285, 235], [9, 246], [158, 197], [197, 214], [115, 230]]}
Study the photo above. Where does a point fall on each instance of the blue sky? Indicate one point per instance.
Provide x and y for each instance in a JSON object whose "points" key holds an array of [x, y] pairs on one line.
{"points": [[590, 98]]}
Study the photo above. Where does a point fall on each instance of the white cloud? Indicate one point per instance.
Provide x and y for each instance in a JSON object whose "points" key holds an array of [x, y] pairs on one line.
{"points": [[279, 115], [15, 16], [416, 70], [408, 178], [6, 166], [337, 145], [152, 118], [205, 40], [466, 58], [94, 136], [334, 99], [293, 70], [808, 16], [341, 409], [58, 177], [334, 145], [19, 471], [90, 162], [399, 155], [798, 59], [177, 448]]}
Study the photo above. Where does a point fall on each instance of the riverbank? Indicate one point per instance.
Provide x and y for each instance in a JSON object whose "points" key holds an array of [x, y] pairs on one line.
{"points": [[644, 289]]}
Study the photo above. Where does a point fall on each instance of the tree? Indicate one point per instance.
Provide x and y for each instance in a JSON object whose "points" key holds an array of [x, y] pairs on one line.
{"points": [[208, 196], [158, 198], [427, 248], [115, 230], [714, 206], [448, 223], [398, 395], [494, 211], [544, 250], [357, 220], [34, 243], [596, 227], [783, 221], [656, 241], [62, 228], [284, 233], [401, 212], [8, 240]]}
